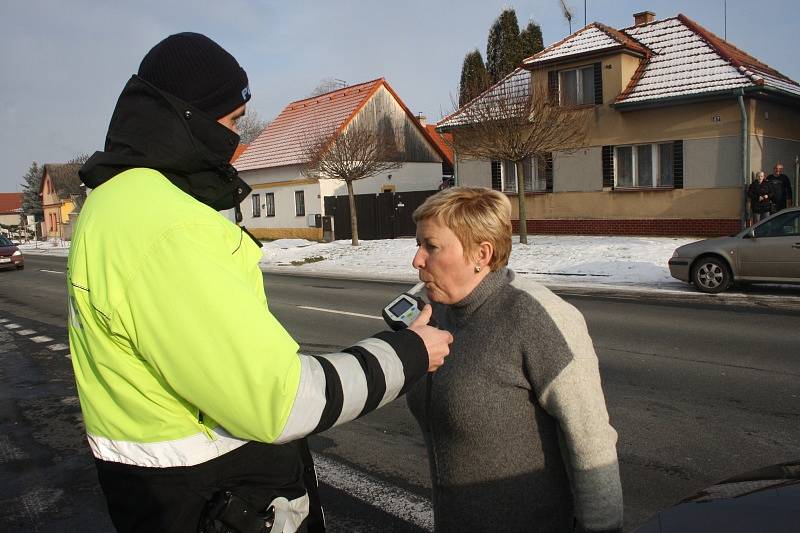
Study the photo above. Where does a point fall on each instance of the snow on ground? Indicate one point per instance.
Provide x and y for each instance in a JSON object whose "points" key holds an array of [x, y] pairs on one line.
{"points": [[551, 259], [558, 260]]}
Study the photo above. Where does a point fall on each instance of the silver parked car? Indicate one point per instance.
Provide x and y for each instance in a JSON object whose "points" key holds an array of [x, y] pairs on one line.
{"points": [[768, 252]]}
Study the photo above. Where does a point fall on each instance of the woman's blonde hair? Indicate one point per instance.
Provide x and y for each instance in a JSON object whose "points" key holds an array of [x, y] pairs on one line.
{"points": [[474, 214]]}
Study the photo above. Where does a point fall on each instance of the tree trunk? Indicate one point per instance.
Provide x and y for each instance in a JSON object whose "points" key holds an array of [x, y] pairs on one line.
{"points": [[523, 219], [353, 216]]}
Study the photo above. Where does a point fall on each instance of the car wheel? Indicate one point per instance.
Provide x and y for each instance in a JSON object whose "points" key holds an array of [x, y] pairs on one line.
{"points": [[711, 275], [20, 267]]}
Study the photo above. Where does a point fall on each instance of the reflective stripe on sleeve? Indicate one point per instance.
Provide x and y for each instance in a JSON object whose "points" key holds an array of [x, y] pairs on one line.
{"points": [[393, 372], [334, 388]]}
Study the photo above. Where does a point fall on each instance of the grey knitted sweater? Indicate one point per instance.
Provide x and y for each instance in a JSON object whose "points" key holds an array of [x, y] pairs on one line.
{"points": [[515, 422]]}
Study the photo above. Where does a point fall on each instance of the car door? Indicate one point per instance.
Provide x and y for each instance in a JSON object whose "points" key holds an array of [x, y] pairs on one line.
{"points": [[773, 253]]}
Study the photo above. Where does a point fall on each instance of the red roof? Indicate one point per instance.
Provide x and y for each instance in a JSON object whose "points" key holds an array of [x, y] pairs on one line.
{"points": [[239, 149], [10, 202], [283, 141], [441, 141]]}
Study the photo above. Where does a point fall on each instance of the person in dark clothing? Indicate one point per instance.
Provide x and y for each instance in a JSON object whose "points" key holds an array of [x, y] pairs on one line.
{"points": [[782, 188], [760, 195]]}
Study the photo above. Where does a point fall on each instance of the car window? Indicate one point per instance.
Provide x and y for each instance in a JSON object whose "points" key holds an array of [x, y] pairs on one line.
{"points": [[787, 224], [5, 242]]}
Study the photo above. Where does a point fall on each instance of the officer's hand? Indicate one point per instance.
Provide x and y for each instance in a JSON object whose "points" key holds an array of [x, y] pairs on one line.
{"points": [[437, 342]]}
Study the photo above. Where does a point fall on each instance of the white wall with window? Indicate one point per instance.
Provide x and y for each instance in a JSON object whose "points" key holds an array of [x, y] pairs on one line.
{"points": [[644, 165]]}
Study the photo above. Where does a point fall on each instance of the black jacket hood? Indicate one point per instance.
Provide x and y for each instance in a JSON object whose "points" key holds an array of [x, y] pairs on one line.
{"points": [[153, 129]]}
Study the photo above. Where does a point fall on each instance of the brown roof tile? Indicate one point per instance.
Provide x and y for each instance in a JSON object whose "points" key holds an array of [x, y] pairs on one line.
{"points": [[10, 202]]}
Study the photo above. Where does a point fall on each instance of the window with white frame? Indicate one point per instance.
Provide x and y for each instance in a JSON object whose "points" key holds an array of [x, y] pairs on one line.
{"points": [[299, 203], [576, 86], [644, 165], [534, 176], [269, 204], [256, 198]]}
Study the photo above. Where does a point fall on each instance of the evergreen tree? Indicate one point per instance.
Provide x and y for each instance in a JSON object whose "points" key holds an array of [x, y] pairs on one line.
{"points": [[504, 47], [531, 38], [474, 78], [31, 202]]}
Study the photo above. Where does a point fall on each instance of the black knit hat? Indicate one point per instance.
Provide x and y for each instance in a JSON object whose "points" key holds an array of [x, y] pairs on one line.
{"points": [[197, 70]]}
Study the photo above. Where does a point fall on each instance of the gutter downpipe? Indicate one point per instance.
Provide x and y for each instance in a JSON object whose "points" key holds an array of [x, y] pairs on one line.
{"points": [[745, 154]]}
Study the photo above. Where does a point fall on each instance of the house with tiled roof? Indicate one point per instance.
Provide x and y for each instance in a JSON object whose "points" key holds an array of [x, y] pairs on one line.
{"points": [[10, 209], [680, 121], [62, 197], [286, 203]]}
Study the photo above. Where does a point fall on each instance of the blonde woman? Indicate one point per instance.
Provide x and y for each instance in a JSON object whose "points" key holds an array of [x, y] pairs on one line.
{"points": [[515, 424]]}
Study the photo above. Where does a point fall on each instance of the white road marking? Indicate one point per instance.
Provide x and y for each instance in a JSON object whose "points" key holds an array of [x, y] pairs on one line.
{"points": [[51, 271], [4, 320], [339, 312], [40, 339], [12, 326], [26, 332], [393, 500], [58, 347]]}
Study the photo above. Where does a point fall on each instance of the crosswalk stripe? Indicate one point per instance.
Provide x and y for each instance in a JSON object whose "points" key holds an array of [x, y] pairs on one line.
{"points": [[58, 347], [4, 320], [12, 326], [390, 499], [26, 332], [40, 339]]}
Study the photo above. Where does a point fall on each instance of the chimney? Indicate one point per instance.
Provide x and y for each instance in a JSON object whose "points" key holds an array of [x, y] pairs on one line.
{"points": [[644, 17], [422, 119]]}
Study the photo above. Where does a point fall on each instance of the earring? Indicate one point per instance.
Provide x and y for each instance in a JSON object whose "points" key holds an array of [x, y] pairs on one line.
{"points": [[477, 268]]}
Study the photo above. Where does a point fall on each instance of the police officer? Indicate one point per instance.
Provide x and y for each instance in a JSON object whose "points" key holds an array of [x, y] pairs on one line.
{"points": [[194, 397]]}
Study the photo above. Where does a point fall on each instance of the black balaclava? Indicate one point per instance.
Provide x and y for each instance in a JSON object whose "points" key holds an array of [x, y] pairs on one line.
{"points": [[166, 119]]}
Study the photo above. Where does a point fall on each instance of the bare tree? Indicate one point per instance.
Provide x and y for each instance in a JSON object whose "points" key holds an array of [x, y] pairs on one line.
{"points": [[327, 85], [81, 158], [249, 126], [516, 120], [356, 153]]}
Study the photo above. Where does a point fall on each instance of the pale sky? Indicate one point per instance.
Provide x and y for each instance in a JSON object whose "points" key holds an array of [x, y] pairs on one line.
{"points": [[63, 63]]}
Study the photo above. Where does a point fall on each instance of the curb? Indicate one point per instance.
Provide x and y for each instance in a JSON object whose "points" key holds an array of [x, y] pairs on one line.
{"points": [[784, 302]]}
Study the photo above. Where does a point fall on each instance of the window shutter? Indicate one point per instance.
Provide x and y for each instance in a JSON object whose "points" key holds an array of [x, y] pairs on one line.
{"points": [[548, 172], [552, 86], [598, 83], [497, 182], [608, 166], [677, 164]]}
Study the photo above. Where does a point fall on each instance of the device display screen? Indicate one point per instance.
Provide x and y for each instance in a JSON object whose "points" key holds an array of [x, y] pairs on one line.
{"points": [[400, 307]]}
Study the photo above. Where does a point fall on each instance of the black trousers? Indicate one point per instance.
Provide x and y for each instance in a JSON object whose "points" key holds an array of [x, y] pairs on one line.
{"points": [[173, 499]]}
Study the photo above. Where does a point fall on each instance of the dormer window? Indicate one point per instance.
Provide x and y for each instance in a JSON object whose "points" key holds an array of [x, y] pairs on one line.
{"points": [[576, 86]]}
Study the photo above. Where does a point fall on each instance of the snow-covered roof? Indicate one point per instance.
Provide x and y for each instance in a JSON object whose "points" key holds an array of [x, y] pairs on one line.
{"points": [[594, 38], [688, 60], [517, 84], [679, 58]]}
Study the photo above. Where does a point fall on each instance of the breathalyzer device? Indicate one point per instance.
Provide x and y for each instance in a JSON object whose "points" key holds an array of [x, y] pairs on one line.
{"points": [[402, 311]]}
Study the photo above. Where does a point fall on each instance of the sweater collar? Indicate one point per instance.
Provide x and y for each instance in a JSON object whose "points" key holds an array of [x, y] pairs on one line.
{"points": [[492, 283]]}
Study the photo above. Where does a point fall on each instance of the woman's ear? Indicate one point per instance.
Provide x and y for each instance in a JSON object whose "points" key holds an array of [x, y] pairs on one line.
{"points": [[484, 254]]}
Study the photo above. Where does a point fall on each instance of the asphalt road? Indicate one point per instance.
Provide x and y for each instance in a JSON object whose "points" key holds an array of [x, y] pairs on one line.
{"points": [[697, 392]]}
